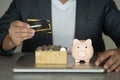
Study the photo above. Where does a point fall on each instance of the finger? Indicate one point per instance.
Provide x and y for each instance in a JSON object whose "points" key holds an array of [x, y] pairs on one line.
{"points": [[24, 30], [18, 24], [18, 40], [105, 55], [110, 61], [114, 66], [26, 36], [26, 33], [118, 69], [21, 38], [21, 29]]}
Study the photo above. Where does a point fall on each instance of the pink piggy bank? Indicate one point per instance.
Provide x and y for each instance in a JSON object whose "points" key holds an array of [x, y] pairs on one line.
{"points": [[82, 50]]}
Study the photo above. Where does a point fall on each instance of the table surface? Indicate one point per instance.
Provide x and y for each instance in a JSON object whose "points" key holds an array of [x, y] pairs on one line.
{"points": [[6, 73]]}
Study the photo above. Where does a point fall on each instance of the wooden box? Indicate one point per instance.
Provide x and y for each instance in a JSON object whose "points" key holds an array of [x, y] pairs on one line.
{"points": [[50, 57]]}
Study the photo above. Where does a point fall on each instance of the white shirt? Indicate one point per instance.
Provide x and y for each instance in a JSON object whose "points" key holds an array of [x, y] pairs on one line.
{"points": [[63, 22]]}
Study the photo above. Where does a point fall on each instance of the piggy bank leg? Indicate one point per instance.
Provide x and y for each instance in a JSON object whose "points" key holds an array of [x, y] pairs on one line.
{"points": [[77, 61], [87, 61]]}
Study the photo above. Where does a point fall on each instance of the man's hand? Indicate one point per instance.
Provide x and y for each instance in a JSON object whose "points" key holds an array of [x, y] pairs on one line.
{"points": [[18, 32], [111, 59]]}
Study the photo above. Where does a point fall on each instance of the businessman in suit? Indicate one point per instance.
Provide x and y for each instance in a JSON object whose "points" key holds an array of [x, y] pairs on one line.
{"points": [[81, 19]]}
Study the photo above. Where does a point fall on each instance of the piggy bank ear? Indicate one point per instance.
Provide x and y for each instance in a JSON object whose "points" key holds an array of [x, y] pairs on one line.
{"points": [[76, 41], [88, 41]]}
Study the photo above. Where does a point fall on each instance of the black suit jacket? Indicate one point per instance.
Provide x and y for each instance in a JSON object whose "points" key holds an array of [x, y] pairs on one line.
{"points": [[93, 17]]}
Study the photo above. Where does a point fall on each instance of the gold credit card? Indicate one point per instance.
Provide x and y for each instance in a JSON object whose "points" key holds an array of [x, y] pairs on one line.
{"points": [[39, 25]]}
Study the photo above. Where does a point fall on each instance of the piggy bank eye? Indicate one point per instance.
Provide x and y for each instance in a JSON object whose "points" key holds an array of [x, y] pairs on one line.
{"points": [[85, 46], [77, 46]]}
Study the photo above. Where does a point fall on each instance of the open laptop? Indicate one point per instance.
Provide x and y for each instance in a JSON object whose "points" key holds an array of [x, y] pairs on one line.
{"points": [[26, 63]]}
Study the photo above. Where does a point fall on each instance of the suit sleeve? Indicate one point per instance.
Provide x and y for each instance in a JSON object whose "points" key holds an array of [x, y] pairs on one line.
{"points": [[12, 14], [112, 22]]}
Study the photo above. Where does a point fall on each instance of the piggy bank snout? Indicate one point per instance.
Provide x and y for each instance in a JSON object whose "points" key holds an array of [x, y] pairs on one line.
{"points": [[82, 53]]}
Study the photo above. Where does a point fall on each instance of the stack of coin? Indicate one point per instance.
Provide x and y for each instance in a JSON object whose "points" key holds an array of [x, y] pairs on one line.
{"points": [[50, 48]]}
